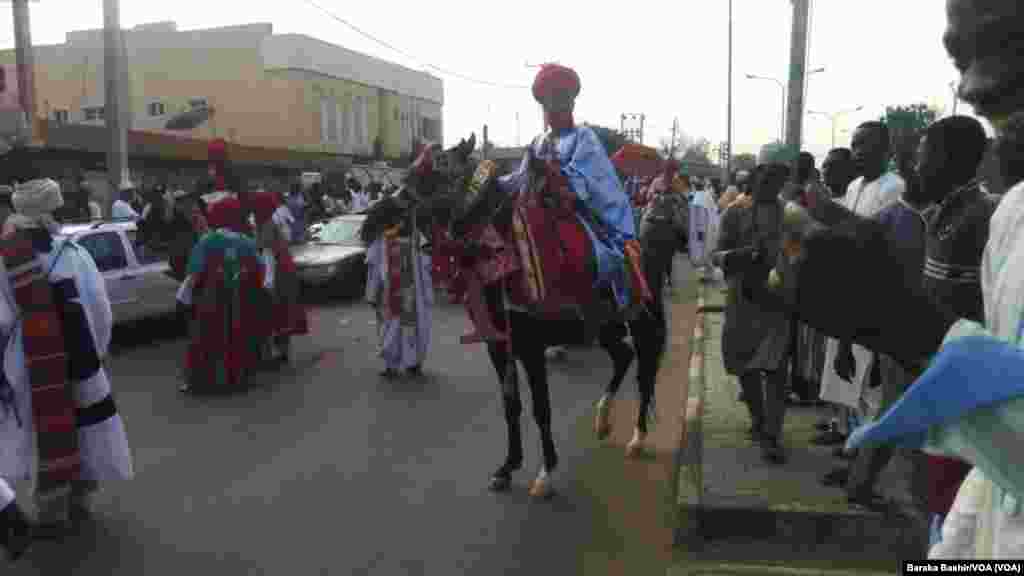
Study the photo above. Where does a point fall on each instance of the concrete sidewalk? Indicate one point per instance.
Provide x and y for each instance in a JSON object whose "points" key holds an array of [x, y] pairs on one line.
{"points": [[778, 519]]}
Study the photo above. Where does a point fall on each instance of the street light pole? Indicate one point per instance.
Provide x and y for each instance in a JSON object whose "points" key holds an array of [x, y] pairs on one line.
{"points": [[25, 66], [728, 135], [782, 87], [117, 154], [835, 117]]}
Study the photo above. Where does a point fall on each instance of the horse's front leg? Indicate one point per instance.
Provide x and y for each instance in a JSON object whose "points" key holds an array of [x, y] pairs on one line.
{"points": [[612, 337], [531, 354], [512, 406]]}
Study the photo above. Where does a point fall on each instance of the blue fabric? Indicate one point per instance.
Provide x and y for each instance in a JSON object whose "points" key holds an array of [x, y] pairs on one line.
{"points": [[297, 206], [968, 374], [600, 195], [935, 531]]}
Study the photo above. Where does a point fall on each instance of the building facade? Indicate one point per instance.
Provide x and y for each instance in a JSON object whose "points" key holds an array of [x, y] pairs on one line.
{"points": [[274, 91]]}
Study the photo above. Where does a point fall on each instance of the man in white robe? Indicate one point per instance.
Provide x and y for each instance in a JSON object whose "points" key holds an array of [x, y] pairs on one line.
{"points": [[80, 290], [704, 221], [402, 297], [866, 196]]}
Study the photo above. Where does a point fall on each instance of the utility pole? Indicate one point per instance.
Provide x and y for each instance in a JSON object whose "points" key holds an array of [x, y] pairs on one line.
{"points": [[25, 64], [672, 148], [727, 165], [117, 154], [797, 65], [483, 148]]}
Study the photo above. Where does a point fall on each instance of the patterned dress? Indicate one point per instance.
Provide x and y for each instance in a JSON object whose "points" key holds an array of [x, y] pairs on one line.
{"points": [[226, 285]]}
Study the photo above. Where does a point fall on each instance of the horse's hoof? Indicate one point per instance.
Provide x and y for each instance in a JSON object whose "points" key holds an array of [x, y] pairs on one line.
{"points": [[500, 483], [542, 487], [635, 448], [602, 420]]}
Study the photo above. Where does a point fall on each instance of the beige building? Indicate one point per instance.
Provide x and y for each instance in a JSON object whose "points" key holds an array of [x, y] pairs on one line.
{"points": [[278, 91]]}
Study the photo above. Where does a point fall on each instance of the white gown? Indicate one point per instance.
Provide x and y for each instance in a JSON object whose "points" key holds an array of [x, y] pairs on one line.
{"points": [[704, 221], [864, 200], [985, 521], [402, 346], [103, 446]]}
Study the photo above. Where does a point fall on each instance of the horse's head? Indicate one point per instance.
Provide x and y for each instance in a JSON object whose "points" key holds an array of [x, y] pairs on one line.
{"points": [[427, 188]]}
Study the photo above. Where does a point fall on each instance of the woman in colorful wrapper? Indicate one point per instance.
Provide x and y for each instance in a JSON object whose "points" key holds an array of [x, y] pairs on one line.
{"points": [[224, 287]]}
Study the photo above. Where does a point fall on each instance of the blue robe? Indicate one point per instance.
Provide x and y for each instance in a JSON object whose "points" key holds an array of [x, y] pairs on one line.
{"points": [[599, 192]]}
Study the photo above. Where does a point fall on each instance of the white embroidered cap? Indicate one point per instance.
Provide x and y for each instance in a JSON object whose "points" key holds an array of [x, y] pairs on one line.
{"points": [[35, 198]]}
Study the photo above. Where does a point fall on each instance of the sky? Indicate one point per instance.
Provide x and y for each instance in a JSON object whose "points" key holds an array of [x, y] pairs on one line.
{"points": [[667, 60]]}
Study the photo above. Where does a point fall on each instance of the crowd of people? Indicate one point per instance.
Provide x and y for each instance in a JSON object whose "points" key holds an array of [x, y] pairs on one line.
{"points": [[892, 299], [240, 294]]}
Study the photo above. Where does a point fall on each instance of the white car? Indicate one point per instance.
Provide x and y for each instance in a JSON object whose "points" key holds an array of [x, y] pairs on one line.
{"points": [[138, 280], [334, 255]]}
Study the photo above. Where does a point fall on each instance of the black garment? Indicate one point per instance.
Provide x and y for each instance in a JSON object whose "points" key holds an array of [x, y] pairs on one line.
{"points": [[851, 262], [957, 233], [765, 395]]}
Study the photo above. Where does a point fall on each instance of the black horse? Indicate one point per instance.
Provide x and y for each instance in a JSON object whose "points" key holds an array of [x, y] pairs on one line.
{"points": [[445, 190]]}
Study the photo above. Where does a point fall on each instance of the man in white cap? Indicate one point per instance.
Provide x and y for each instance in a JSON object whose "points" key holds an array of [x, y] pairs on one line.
{"points": [[58, 409]]}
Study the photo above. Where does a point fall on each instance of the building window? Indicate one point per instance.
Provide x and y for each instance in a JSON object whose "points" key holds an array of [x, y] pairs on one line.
{"points": [[325, 134], [156, 109], [431, 129], [197, 103], [93, 113], [396, 113], [359, 118], [331, 110], [342, 128], [60, 116]]}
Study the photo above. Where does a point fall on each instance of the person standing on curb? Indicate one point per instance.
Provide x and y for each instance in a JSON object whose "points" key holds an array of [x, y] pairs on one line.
{"points": [[755, 338]]}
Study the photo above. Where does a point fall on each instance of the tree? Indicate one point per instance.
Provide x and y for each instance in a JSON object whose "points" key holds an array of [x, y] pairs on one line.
{"points": [[776, 153], [687, 149], [697, 152], [744, 162], [906, 123], [612, 139]]}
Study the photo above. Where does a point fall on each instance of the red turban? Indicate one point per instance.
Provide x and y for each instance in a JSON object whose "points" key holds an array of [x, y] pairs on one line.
{"points": [[227, 213], [555, 77], [263, 205]]}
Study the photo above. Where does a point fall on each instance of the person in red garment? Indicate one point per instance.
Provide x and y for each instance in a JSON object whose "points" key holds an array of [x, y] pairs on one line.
{"points": [[289, 315], [224, 287]]}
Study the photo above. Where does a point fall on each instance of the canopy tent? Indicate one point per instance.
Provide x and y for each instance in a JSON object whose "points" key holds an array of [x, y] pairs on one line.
{"points": [[637, 160]]}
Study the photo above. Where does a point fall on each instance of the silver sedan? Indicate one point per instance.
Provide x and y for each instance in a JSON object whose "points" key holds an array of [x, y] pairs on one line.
{"points": [[334, 256]]}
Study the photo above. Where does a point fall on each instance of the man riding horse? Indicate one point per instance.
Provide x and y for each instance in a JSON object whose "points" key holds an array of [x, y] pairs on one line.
{"points": [[569, 228]]}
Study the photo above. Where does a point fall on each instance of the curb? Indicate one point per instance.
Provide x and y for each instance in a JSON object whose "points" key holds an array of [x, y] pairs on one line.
{"points": [[712, 529], [689, 477]]}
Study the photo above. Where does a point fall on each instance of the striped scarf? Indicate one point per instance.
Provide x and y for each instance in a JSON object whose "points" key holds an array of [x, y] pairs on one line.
{"points": [[53, 404]]}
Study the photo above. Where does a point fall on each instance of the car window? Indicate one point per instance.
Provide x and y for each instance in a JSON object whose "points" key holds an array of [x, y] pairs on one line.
{"points": [[106, 249], [338, 231], [143, 253]]}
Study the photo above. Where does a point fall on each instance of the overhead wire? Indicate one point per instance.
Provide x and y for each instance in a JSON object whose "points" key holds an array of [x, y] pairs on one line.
{"points": [[425, 64]]}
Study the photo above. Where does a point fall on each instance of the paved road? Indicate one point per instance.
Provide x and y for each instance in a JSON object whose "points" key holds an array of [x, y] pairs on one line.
{"points": [[326, 469]]}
